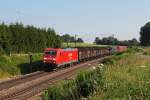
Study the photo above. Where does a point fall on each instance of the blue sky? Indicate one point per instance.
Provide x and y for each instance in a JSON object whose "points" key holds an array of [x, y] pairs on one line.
{"points": [[87, 18]]}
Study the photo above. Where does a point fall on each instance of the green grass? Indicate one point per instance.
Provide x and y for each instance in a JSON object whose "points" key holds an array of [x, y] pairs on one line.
{"points": [[81, 45], [18, 64], [126, 79], [147, 51]]}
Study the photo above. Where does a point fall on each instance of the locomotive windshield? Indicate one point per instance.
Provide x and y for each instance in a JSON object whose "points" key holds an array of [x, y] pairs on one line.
{"points": [[51, 52]]}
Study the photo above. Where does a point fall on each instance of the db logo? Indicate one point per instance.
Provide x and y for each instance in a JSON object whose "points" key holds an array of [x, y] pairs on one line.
{"points": [[70, 54]]}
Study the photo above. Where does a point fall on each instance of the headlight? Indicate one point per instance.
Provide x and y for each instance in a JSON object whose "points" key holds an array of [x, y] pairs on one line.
{"points": [[45, 58], [54, 59]]}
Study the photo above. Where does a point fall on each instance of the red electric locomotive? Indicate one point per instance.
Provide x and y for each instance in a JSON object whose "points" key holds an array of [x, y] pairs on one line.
{"points": [[58, 57]]}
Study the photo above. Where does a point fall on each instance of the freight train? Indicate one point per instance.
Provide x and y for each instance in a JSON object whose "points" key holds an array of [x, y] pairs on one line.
{"points": [[56, 57]]}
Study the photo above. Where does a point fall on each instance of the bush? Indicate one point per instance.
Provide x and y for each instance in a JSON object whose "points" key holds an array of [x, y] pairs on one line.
{"points": [[84, 84], [108, 61], [113, 59], [63, 91]]}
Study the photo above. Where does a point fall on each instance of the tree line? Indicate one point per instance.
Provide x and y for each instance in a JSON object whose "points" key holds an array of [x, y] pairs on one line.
{"points": [[114, 41], [17, 38], [68, 38]]}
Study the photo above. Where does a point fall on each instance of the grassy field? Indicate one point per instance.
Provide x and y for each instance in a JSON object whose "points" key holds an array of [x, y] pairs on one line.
{"points": [[124, 76], [147, 51], [127, 78], [18, 64], [81, 45]]}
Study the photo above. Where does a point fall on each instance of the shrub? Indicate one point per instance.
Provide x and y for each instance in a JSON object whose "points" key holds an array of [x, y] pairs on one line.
{"points": [[107, 61], [63, 91], [84, 84]]}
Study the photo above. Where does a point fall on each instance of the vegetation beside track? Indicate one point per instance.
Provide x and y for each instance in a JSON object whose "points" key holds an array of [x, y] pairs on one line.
{"points": [[147, 52], [18, 64], [124, 76]]}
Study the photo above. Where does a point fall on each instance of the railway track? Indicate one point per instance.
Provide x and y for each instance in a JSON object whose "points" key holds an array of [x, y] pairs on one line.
{"points": [[28, 86], [9, 83]]}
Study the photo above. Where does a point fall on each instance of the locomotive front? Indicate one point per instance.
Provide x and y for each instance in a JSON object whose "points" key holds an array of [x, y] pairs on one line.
{"points": [[49, 56]]}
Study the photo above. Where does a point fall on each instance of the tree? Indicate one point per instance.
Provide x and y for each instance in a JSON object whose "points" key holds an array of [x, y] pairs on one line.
{"points": [[79, 40], [106, 41], [18, 38], [133, 42], [97, 40], [145, 35], [66, 38], [4, 38]]}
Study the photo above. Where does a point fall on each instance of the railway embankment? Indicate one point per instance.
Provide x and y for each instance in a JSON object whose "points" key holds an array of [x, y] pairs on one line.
{"points": [[123, 76], [18, 64]]}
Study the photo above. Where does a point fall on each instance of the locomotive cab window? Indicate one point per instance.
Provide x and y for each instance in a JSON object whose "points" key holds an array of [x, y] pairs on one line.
{"points": [[51, 52]]}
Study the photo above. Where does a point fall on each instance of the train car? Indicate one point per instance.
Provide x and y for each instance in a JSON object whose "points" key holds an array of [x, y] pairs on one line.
{"points": [[91, 53], [121, 48], [59, 57]]}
